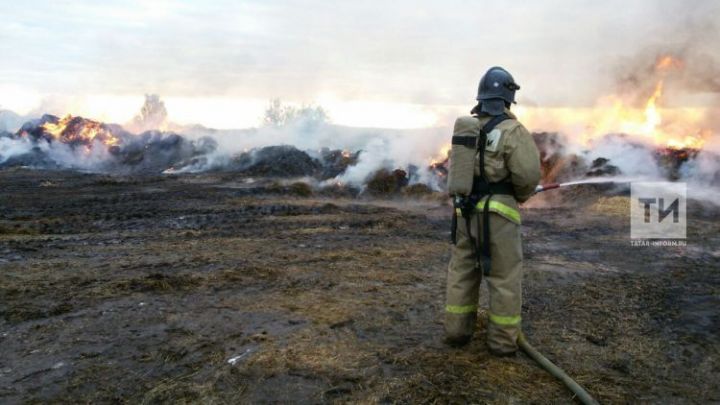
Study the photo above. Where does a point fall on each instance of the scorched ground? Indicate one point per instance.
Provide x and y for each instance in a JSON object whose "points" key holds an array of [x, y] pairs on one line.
{"points": [[206, 288]]}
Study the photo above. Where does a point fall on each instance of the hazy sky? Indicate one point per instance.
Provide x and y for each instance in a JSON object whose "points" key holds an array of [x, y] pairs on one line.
{"points": [[386, 63]]}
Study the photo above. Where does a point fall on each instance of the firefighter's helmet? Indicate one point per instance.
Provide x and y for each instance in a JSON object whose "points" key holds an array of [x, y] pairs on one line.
{"points": [[497, 87]]}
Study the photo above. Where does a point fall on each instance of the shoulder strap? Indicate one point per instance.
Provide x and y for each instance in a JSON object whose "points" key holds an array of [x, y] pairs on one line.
{"points": [[494, 121], [483, 252], [482, 142], [473, 141]]}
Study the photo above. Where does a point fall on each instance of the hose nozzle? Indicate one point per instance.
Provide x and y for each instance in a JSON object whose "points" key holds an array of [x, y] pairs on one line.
{"points": [[545, 187]]}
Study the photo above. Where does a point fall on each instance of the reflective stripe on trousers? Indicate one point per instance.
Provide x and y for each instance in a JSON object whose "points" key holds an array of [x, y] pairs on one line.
{"points": [[496, 319], [505, 320], [498, 207], [461, 309]]}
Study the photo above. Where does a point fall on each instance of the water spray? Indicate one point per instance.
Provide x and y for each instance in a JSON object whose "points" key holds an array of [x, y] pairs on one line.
{"points": [[544, 187]]}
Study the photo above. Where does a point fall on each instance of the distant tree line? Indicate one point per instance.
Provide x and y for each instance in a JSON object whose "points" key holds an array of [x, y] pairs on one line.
{"points": [[278, 115]]}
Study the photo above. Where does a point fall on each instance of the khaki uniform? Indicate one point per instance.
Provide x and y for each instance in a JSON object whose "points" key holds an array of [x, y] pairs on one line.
{"points": [[513, 154]]}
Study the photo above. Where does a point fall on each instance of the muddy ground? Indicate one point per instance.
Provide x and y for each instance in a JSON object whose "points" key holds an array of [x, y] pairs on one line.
{"points": [[201, 288]]}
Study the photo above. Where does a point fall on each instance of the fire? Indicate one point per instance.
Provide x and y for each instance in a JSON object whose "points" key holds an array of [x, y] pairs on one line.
{"points": [[669, 134], [652, 115], [667, 62], [439, 164], [679, 133], [653, 123], [652, 127], [75, 130], [442, 156]]}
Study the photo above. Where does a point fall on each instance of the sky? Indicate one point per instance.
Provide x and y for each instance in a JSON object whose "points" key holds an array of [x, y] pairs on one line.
{"points": [[399, 64]]}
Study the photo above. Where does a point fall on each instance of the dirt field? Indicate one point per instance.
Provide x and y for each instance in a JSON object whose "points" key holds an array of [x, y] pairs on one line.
{"points": [[203, 288]]}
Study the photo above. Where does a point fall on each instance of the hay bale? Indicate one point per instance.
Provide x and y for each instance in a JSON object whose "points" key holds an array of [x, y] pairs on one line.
{"points": [[417, 190], [385, 182], [602, 167], [335, 162], [300, 189], [338, 190], [617, 205], [275, 161]]}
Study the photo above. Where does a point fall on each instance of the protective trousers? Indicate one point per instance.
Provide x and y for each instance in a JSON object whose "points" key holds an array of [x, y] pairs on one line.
{"points": [[504, 283]]}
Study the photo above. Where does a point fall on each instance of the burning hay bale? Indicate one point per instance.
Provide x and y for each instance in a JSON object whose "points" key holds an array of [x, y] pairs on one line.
{"points": [[440, 170], [549, 144], [385, 182], [555, 163], [671, 160], [671, 163], [335, 162], [275, 161], [338, 190], [73, 131], [28, 156], [417, 190], [155, 151], [300, 189], [79, 143], [602, 167], [288, 161], [551, 150], [565, 168], [704, 167]]}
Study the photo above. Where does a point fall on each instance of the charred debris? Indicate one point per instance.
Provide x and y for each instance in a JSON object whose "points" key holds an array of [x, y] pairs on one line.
{"points": [[76, 143]]}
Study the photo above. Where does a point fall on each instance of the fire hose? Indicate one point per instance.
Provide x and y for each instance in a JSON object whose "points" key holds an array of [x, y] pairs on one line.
{"points": [[556, 371], [543, 361]]}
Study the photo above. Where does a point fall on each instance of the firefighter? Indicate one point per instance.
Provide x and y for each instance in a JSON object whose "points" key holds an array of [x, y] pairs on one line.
{"points": [[494, 165]]}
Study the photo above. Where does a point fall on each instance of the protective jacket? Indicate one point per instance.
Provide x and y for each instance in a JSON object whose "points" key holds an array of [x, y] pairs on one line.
{"points": [[511, 156]]}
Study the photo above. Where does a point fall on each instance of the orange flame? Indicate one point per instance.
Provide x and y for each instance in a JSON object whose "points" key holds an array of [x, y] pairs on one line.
{"points": [[667, 62], [442, 156], [85, 132], [663, 132], [655, 124]]}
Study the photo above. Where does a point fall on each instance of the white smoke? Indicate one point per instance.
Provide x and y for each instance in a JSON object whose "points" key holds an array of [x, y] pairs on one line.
{"points": [[307, 128], [704, 169], [90, 158], [310, 132], [86, 158], [631, 158], [11, 121], [373, 157], [10, 147]]}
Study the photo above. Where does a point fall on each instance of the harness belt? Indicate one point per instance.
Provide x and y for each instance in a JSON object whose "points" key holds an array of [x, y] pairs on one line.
{"points": [[482, 188]]}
